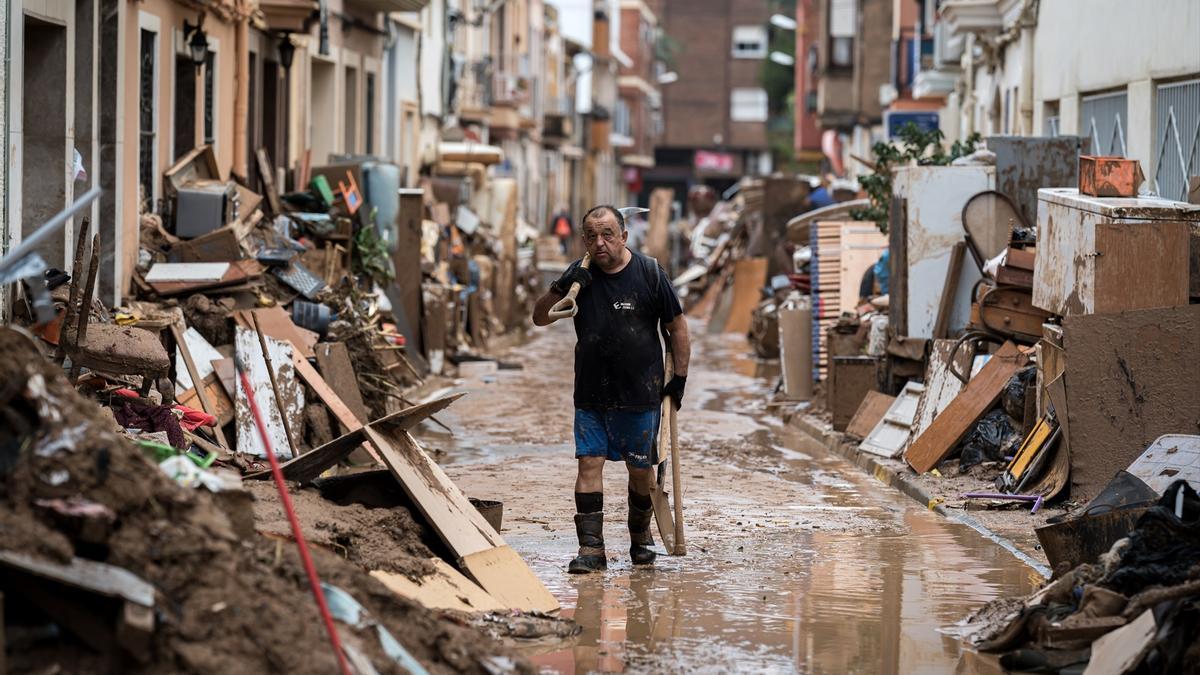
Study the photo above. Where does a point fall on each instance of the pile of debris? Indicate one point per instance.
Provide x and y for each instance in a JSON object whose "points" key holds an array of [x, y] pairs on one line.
{"points": [[134, 436], [1136, 610]]}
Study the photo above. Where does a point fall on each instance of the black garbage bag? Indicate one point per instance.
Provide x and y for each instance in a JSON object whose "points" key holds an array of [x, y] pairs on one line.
{"points": [[991, 439], [1163, 548], [1013, 396]]}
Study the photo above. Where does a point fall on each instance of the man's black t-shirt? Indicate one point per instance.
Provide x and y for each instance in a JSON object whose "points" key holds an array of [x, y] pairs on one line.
{"points": [[618, 356]]}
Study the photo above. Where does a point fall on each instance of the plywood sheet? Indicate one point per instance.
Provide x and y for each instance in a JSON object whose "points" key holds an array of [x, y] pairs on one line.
{"points": [[333, 358], [250, 357], [850, 379], [749, 277], [503, 573], [446, 588], [1131, 377], [940, 386], [872, 409], [976, 398]]}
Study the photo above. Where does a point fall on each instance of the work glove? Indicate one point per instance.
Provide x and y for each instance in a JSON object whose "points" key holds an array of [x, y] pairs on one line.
{"points": [[575, 273], [674, 389]]}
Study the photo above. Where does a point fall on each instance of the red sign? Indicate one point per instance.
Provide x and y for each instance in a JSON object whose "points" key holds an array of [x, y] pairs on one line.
{"points": [[713, 161]]}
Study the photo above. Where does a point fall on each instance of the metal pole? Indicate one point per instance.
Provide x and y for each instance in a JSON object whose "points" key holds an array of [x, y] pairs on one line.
{"points": [[45, 231]]}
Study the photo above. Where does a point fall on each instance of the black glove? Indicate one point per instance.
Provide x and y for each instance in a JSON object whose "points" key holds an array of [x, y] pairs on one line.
{"points": [[574, 274], [674, 389]]}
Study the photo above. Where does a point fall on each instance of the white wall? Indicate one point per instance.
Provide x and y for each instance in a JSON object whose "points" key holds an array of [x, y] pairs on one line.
{"points": [[1086, 46]]}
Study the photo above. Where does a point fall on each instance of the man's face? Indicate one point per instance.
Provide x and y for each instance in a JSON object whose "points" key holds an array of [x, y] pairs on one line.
{"points": [[604, 238]]}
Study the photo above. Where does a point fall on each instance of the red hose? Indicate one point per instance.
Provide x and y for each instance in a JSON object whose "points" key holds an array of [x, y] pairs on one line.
{"points": [[309, 568]]}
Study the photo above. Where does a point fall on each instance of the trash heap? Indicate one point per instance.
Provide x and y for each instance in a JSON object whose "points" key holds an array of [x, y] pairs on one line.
{"points": [[1135, 610], [147, 529]]}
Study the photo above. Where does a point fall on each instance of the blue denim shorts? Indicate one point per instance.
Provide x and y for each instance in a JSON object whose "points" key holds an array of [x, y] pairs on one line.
{"points": [[619, 435]]}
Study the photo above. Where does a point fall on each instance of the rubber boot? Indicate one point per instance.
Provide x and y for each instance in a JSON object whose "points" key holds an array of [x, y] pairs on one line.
{"points": [[640, 539], [590, 528]]}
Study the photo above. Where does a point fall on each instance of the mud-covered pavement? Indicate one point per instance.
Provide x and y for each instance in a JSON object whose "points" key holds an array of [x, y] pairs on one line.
{"points": [[796, 561]]}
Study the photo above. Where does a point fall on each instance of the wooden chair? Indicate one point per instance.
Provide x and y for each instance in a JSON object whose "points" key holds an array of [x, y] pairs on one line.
{"points": [[103, 347]]}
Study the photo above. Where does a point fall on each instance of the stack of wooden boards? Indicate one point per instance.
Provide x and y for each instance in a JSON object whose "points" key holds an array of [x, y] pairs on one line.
{"points": [[842, 251]]}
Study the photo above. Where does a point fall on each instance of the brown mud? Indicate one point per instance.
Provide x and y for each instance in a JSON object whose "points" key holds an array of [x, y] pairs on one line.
{"points": [[224, 604], [796, 561]]}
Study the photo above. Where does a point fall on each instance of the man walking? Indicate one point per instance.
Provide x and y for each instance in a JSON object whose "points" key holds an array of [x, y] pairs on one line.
{"points": [[625, 303]]}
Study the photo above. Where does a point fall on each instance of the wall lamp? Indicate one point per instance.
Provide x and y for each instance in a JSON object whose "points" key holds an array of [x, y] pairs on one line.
{"points": [[287, 50], [197, 41]]}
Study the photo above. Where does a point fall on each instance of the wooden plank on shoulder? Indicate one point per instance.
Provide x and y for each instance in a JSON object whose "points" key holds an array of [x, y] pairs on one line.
{"points": [[976, 398]]}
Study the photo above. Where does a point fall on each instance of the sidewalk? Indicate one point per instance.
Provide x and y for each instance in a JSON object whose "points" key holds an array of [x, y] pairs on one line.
{"points": [[1011, 528]]}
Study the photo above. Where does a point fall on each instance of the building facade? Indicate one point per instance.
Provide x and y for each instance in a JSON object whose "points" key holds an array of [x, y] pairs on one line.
{"points": [[715, 112]]}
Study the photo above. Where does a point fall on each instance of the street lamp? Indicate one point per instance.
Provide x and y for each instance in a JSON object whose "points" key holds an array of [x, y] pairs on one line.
{"points": [[783, 22], [197, 42]]}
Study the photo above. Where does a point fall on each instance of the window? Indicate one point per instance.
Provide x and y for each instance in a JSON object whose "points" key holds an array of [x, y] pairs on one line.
{"points": [[1177, 137], [748, 105], [1102, 118], [147, 115], [351, 121], [1051, 119], [370, 112], [210, 93], [749, 42], [843, 26]]}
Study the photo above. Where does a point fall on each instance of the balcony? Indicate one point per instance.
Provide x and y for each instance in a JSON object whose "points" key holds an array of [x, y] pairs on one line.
{"points": [[287, 15], [982, 17], [391, 5]]}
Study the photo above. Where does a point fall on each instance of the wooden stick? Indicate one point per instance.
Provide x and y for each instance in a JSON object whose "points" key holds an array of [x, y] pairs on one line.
{"points": [[197, 383], [677, 485], [287, 427]]}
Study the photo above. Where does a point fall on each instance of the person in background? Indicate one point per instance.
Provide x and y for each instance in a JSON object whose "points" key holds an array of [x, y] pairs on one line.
{"points": [[561, 227]]}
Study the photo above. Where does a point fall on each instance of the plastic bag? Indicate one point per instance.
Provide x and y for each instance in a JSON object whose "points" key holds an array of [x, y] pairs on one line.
{"points": [[1013, 397], [991, 439]]}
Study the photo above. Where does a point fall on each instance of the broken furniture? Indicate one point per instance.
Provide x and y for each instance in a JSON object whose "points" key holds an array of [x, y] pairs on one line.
{"points": [[842, 251], [850, 378], [104, 347], [1099, 255]]}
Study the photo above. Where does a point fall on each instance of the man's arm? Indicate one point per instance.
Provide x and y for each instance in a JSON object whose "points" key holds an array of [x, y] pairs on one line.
{"points": [[681, 345], [541, 309]]}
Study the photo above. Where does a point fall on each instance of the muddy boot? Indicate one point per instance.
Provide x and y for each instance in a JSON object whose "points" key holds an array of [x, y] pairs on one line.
{"points": [[640, 539], [590, 528]]}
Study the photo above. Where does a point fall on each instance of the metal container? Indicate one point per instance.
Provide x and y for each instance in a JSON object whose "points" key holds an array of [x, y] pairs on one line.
{"points": [[492, 511], [1109, 176], [1084, 539], [795, 347]]}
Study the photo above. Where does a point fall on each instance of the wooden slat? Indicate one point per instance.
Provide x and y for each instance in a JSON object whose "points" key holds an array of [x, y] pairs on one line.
{"points": [[333, 358], [329, 397], [947, 429], [872, 409]]}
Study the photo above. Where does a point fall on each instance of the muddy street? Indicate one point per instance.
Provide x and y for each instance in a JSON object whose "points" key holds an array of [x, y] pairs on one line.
{"points": [[796, 560]]}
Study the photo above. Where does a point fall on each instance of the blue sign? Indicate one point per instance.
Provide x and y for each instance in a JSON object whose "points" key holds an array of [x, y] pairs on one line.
{"points": [[895, 120]]}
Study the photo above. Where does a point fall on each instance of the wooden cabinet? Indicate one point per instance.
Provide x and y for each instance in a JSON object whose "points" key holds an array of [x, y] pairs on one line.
{"points": [[1098, 255]]}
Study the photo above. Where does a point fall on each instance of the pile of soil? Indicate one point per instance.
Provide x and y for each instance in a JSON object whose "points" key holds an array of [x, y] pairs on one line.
{"points": [[224, 604]]}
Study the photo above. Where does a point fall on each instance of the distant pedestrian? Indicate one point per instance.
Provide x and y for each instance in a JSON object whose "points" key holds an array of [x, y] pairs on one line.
{"points": [[562, 228]]}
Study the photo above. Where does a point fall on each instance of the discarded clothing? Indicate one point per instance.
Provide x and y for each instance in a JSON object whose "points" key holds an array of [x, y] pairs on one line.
{"points": [[147, 417]]}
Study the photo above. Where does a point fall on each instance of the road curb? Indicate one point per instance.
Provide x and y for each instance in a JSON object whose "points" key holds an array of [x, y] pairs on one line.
{"points": [[836, 443]]}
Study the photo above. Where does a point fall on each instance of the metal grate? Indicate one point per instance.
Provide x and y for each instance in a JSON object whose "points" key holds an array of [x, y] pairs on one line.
{"points": [[1177, 147], [1103, 118]]}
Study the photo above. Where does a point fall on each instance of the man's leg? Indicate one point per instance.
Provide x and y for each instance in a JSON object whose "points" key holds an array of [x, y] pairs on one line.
{"points": [[591, 451], [640, 512]]}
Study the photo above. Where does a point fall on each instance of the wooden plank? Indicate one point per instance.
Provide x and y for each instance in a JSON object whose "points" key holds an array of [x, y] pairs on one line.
{"points": [[329, 398], [940, 386], [250, 357], [976, 398], [503, 573], [1121, 650], [307, 467], [219, 401], [445, 588], [869, 413], [333, 358], [267, 173], [941, 326], [276, 323], [239, 271], [457, 522], [200, 389], [749, 277]]}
